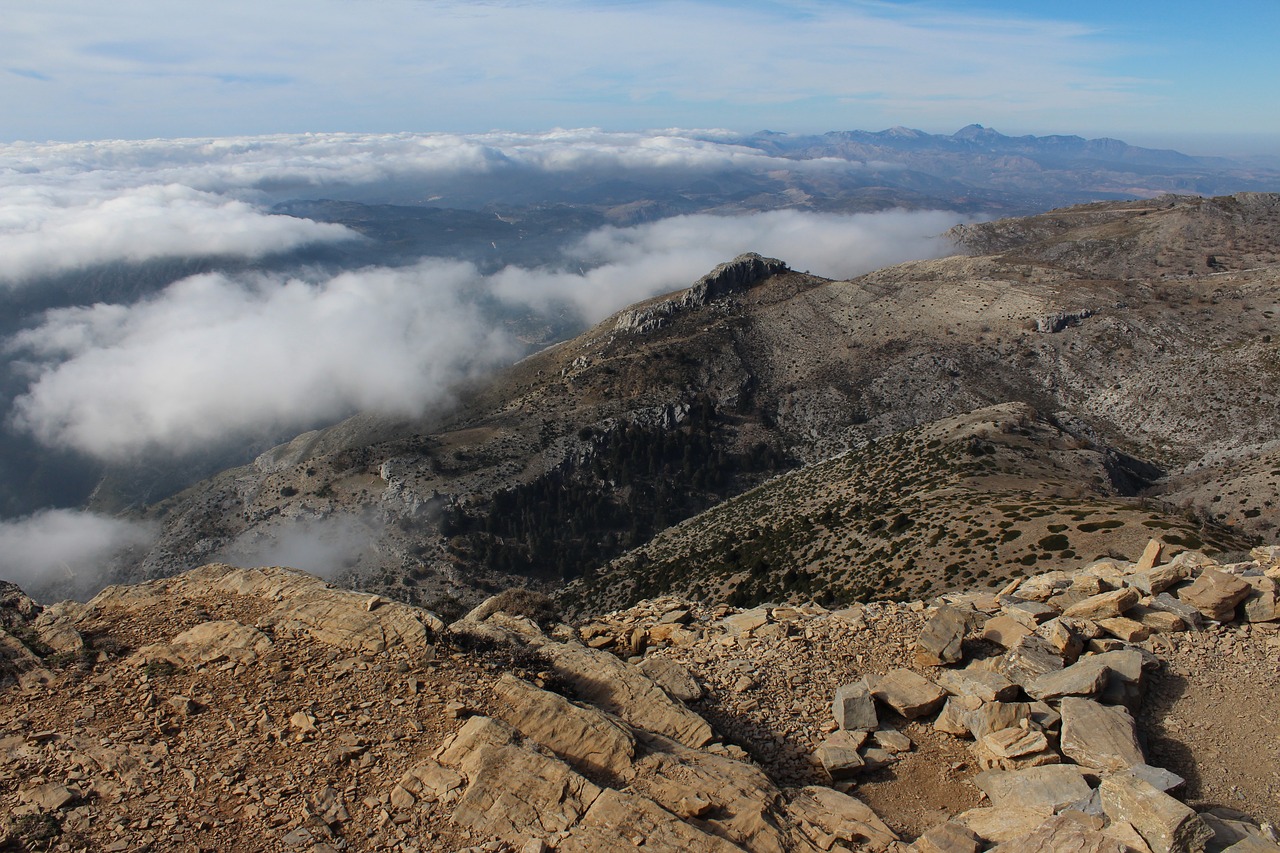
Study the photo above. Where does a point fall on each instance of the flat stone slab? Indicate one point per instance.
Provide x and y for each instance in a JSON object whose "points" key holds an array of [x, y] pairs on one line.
{"points": [[1104, 605], [1215, 594], [1030, 658], [984, 684], [1166, 824], [1062, 833], [839, 755], [1102, 737], [1085, 678], [1045, 789], [909, 694]]}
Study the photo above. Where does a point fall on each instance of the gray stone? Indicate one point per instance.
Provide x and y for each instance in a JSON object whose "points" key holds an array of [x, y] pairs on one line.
{"points": [[1167, 825], [1099, 736], [1086, 678], [984, 684], [839, 755], [1157, 777], [1172, 604], [940, 641], [854, 707], [1031, 657]]}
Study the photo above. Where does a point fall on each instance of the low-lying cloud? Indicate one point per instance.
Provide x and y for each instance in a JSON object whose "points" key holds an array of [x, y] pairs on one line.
{"points": [[65, 552], [47, 231], [215, 356], [326, 547]]}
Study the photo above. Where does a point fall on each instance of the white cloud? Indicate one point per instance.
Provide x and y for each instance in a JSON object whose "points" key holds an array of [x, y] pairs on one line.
{"points": [[324, 547], [213, 357], [620, 266], [43, 230], [65, 550]]}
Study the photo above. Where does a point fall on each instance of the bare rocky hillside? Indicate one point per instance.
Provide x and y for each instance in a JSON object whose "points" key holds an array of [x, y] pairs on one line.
{"points": [[1116, 705], [1138, 329], [979, 498]]}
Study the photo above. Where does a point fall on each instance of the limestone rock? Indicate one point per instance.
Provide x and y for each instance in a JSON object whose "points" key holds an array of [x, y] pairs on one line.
{"points": [[940, 641], [511, 788], [618, 822], [949, 837], [842, 818], [1103, 606], [1124, 628], [1030, 658], [622, 689], [1099, 736], [1156, 580], [585, 737], [1167, 825], [839, 755], [1215, 594], [854, 707], [209, 642], [50, 797], [1004, 630], [909, 694], [1150, 556], [1085, 678], [997, 825], [1046, 789], [734, 799], [1062, 834], [984, 684], [673, 678]]}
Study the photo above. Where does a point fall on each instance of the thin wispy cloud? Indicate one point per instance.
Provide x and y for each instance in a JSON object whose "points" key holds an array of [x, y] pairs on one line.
{"points": [[443, 65], [61, 552]]}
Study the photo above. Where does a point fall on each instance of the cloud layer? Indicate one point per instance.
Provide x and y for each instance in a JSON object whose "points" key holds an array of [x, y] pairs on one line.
{"points": [[65, 550], [213, 357], [43, 231]]}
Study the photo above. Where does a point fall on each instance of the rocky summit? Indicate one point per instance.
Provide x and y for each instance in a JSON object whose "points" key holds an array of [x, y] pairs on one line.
{"points": [[1115, 705]]}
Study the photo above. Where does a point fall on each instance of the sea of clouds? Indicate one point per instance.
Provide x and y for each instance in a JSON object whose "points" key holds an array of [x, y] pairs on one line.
{"points": [[225, 354]]}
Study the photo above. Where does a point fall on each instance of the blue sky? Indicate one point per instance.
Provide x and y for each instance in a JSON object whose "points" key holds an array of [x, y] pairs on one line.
{"points": [[1194, 75]]}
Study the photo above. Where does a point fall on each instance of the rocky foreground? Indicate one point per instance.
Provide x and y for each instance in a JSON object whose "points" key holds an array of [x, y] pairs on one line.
{"points": [[1114, 707]]}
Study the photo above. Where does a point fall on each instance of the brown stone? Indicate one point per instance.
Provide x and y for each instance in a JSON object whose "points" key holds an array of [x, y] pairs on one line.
{"points": [[1062, 834], [940, 641], [1099, 736], [1167, 825], [909, 694], [1215, 594], [1103, 606]]}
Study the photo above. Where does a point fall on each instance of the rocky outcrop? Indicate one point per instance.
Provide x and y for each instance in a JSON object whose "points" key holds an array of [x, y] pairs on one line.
{"points": [[265, 709], [736, 276]]}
